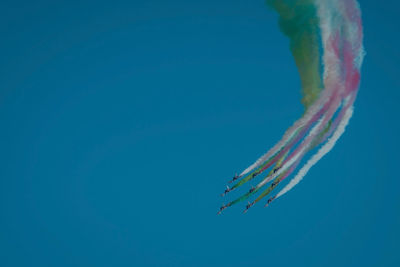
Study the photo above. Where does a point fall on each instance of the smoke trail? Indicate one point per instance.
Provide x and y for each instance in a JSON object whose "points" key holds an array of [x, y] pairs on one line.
{"points": [[322, 152], [325, 38]]}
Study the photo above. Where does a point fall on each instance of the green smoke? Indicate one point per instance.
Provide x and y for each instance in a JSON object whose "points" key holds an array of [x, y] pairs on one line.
{"points": [[298, 20]]}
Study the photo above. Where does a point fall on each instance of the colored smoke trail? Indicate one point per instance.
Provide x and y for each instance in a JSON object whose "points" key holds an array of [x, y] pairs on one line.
{"points": [[325, 39], [321, 152]]}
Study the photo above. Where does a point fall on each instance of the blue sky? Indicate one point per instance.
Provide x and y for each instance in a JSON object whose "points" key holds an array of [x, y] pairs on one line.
{"points": [[122, 121]]}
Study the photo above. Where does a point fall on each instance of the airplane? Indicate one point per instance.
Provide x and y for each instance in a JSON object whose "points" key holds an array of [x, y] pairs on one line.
{"points": [[227, 190], [221, 209], [269, 201], [234, 178], [248, 206], [252, 189]]}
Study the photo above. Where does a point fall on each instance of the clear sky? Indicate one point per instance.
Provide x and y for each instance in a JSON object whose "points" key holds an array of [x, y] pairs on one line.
{"points": [[122, 121]]}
